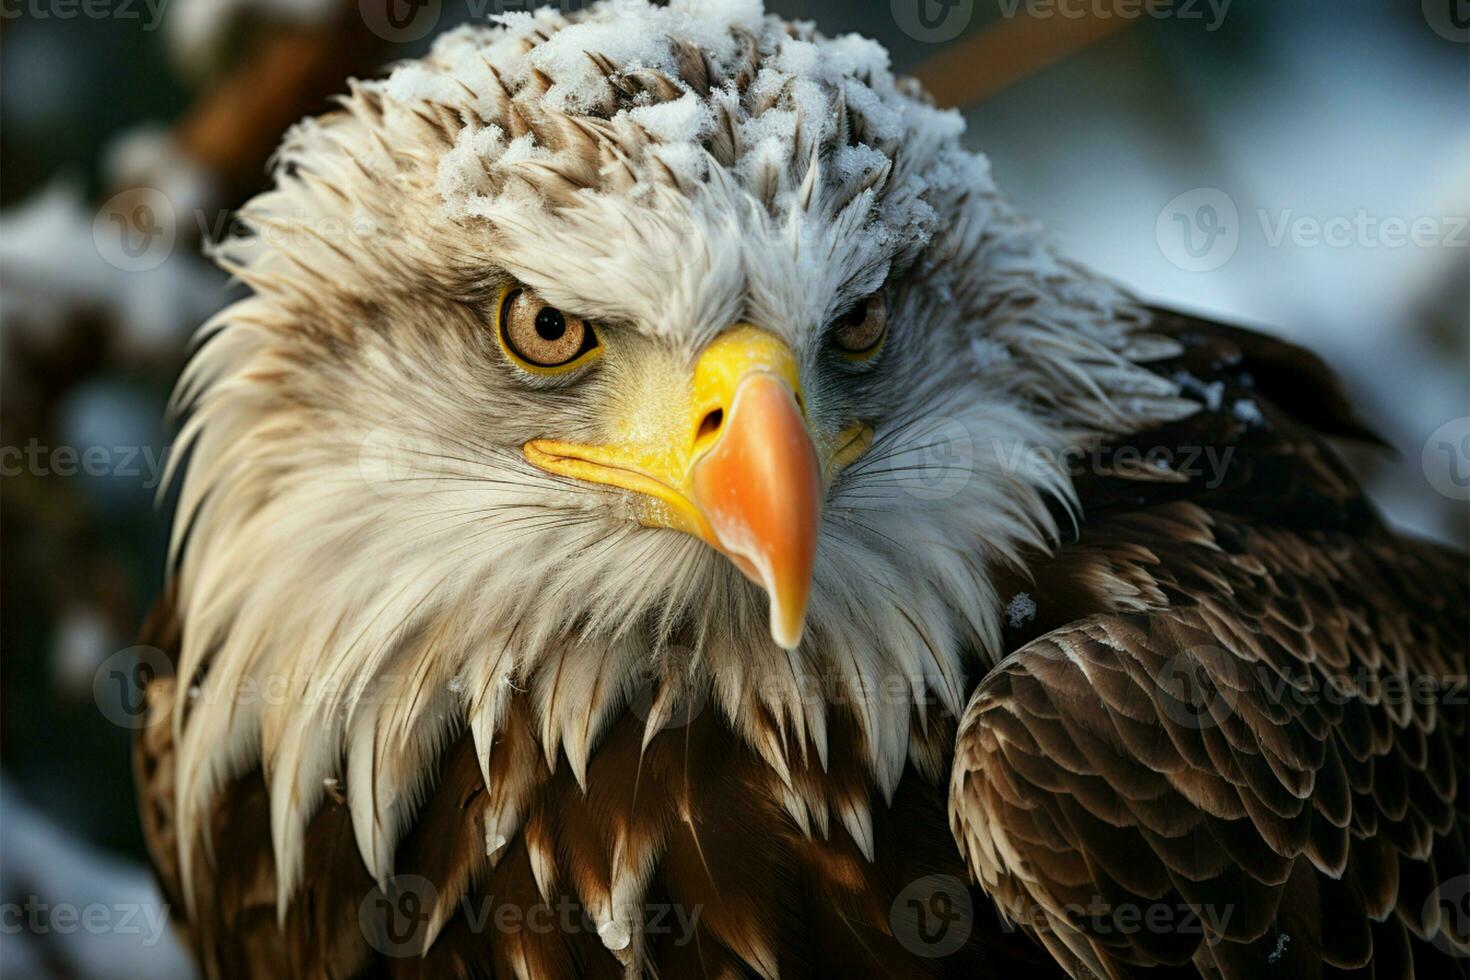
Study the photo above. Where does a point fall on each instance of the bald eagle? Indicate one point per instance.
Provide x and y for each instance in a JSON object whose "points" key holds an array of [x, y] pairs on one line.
{"points": [[661, 512]]}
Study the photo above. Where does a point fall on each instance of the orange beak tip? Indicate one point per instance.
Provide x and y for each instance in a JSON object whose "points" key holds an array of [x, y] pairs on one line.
{"points": [[760, 487], [787, 626]]}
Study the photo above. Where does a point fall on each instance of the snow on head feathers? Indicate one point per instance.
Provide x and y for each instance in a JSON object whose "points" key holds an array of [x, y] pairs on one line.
{"points": [[364, 537]]}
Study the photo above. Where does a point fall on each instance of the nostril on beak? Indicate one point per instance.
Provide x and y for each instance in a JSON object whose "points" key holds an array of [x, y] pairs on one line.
{"points": [[709, 426]]}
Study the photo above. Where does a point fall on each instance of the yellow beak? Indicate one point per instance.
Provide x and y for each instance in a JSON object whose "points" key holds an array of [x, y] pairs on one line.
{"points": [[742, 472]]}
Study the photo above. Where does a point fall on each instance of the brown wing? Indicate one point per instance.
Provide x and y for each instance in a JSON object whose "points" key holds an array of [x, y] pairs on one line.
{"points": [[1264, 777], [1232, 740]]}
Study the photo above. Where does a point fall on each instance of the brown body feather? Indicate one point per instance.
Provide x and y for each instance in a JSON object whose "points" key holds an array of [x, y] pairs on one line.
{"points": [[1143, 747]]}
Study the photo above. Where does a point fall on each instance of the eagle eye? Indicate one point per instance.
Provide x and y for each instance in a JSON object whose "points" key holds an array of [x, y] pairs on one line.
{"points": [[859, 332], [542, 339]]}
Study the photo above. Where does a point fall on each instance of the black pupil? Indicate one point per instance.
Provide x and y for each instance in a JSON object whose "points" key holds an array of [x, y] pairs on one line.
{"points": [[856, 316], [550, 324]]}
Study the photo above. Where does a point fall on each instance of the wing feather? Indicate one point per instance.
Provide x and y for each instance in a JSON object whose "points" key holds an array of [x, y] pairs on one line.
{"points": [[1250, 751]]}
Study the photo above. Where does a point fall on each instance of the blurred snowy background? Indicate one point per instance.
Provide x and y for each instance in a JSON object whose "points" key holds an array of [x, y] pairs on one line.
{"points": [[1300, 167]]}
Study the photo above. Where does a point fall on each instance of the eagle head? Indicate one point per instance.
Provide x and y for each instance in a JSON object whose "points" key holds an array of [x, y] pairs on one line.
{"points": [[653, 348]]}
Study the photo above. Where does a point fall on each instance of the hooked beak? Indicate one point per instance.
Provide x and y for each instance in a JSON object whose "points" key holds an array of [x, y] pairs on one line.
{"points": [[743, 473], [760, 489]]}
